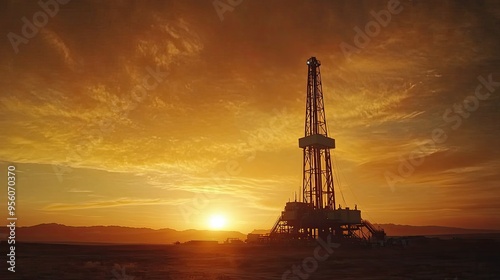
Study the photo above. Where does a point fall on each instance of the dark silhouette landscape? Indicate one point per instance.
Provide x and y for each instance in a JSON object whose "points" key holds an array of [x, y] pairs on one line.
{"points": [[473, 258]]}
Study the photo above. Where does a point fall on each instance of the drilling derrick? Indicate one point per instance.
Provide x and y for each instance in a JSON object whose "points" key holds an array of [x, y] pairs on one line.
{"points": [[317, 187], [316, 216]]}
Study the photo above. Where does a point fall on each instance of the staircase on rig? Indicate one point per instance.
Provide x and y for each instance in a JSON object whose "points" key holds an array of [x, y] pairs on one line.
{"points": [[316, 216]]}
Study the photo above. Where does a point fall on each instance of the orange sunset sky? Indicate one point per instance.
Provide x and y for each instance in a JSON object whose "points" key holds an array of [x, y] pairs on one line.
{"points": [[165, 113]]}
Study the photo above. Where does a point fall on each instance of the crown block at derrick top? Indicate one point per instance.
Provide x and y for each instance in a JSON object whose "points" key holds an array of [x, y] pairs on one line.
{"points": [[317, 141]]}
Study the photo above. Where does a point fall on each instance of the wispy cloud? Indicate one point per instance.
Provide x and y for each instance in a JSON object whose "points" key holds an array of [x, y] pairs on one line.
{"points": [[74, 190], [121, 202]]}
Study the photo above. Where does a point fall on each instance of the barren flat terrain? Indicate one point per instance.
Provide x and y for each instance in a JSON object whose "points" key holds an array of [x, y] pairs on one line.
{"points": [[424, 259]]}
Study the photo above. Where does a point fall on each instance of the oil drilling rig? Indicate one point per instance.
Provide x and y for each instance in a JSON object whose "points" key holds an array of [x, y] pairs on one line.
{"points": [[316, 215]]}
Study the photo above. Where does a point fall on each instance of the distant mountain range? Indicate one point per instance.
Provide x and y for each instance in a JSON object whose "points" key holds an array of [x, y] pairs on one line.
{"points": [[406, 230], [57, 233]]}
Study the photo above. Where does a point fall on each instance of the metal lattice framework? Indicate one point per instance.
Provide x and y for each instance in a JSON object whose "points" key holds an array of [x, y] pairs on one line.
{"points": [[317, 185]]}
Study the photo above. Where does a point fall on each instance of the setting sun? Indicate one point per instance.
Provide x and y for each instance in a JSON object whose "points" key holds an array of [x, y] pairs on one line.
{"points": [[217, 222]]}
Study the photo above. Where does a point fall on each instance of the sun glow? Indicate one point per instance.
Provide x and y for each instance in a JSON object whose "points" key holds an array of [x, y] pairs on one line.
{"points": [[217, 222]]}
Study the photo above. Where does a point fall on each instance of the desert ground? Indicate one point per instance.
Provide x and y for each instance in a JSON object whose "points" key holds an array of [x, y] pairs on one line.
{"points": [[428, 258]]}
